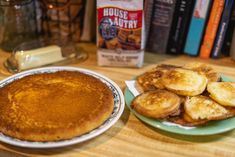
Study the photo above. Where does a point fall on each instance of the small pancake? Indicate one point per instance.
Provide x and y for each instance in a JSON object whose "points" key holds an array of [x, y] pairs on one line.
{"points": [[203, 108], [222, 92], [186, 120], [152, 79], [145, 82], [156, 104], [204, 69], [54, 106], [184, 82]]}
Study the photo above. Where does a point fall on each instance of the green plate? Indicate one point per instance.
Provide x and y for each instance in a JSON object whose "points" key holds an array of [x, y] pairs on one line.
{"points": [[214, 127]]}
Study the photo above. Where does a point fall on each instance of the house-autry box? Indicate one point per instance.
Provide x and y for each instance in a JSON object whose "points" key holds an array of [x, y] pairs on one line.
{"points": [[120, 38]]}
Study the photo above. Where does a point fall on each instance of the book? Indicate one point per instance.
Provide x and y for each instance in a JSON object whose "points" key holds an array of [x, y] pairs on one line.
{"points": [[160, 25], [229, 34], [197, 26], [211, 28], [180, 25], [148, 10], [216, 52]]}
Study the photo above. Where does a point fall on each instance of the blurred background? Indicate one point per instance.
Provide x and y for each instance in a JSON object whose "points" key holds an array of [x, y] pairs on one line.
{"points": [[25, 20], [201, 28]]}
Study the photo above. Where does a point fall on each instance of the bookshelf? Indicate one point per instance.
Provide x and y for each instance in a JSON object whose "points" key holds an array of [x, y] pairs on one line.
{"points": [[201, 28]]}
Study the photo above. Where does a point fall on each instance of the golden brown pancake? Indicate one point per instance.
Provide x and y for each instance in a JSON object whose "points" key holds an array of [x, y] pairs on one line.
{"points": [[204, 69], [54, 106], [157, 104], [184, 82], [152, 79], [222, 92], [186, 120], [202, 107]]}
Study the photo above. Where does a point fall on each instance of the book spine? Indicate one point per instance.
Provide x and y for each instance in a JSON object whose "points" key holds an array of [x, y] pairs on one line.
{"points": [[229, 34], [160, 25], [196, 28], [216, 53], [148, 10], [180, 25], [211, 29]]}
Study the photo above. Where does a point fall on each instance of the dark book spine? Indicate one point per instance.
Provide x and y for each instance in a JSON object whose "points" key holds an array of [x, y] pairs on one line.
{"points": [[180, 25], [148, 10], [229, 34], [216, 53], [160, 25]]}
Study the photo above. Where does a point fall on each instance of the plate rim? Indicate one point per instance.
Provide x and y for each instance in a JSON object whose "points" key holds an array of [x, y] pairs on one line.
{"points": [[79, 139], [177, 129]]}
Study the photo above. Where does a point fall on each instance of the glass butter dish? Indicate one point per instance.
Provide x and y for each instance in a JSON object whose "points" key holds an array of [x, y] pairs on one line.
{"points": [[39, 53]]}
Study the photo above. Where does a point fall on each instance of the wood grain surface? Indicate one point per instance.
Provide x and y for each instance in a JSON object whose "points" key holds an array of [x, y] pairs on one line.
{"points": [[129, 136]]}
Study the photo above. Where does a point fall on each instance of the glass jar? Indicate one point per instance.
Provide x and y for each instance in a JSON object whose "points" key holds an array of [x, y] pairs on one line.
{"points": [[17, 22], [63, 19]]}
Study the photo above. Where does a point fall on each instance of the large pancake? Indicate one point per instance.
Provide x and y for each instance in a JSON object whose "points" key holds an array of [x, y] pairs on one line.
{"points": [[54, 106]]}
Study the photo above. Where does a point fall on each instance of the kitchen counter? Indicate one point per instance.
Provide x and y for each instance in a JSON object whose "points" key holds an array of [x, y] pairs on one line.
{"points": [[129, 136]]}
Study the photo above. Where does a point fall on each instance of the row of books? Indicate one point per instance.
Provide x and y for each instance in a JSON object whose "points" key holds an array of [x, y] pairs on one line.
{"points": [[196, 27]]}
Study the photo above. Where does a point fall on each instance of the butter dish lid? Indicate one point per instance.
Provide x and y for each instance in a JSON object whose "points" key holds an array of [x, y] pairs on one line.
{"points": [[41, 52]]}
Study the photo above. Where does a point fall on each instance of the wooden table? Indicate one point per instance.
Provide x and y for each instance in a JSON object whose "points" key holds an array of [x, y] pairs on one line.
{"points": [[129, 136]]}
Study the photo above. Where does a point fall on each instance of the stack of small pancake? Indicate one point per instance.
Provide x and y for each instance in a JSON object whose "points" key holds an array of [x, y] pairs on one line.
{"points": [[188, 95]]}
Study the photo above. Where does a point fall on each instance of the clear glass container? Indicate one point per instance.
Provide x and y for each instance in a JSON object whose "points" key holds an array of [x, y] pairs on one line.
{"points": [[41, 52], [17, 22]]}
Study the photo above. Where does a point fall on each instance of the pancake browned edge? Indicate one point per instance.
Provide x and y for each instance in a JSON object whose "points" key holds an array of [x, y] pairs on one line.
{"points": [[185, 120], [199, 110], [54, 106], [184, 82], [204, 69], [157, 104], [152, 79], [222, 92]]}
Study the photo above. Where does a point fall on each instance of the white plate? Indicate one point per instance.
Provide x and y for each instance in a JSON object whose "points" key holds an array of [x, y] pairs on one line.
{"points": [[117, 110]]}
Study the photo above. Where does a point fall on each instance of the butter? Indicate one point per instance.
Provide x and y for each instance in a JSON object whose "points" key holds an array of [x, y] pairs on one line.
{"points": [[38, 57]]}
